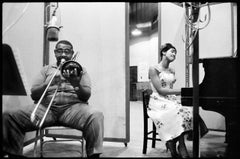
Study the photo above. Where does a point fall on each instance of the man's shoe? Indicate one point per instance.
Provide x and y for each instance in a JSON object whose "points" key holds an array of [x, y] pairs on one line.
{"points": [[9, 155], [93, 156]]}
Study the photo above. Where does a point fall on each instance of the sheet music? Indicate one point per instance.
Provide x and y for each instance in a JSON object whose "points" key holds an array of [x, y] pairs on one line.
{"points": [[18, 60]]}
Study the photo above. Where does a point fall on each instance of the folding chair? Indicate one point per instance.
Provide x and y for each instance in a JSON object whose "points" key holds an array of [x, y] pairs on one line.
{"points": [[45, 132]]}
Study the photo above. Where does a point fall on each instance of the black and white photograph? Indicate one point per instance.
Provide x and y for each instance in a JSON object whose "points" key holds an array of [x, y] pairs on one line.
{"points": [[120, 80]]}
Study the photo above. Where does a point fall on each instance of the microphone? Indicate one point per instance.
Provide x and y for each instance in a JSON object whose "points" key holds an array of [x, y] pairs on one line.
{"points": [[63, 60], [53, 30]]}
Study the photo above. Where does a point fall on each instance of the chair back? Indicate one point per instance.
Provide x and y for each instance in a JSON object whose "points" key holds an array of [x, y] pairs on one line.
{"points": [[146, 97]]}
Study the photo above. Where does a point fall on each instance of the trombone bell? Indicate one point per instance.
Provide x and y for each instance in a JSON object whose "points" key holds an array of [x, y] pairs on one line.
{"points": [[71, 66]]}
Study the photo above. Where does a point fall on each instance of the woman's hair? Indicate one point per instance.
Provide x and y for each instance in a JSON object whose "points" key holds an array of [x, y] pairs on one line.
{"points": [[165, 47]]}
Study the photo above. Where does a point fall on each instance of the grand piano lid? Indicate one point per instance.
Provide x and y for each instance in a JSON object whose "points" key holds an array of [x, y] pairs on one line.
{"points": [[218, 58]]}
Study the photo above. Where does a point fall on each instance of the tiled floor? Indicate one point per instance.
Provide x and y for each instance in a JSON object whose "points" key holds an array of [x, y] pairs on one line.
{"points": [[211, 145]]}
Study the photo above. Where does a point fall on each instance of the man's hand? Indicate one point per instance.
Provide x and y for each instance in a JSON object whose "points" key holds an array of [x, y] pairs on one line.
{"points": [[72, 76], [37, 116]]}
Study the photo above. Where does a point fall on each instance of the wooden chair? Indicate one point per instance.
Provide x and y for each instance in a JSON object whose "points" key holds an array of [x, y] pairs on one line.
{"points": [[45, 132], [145, 97]]}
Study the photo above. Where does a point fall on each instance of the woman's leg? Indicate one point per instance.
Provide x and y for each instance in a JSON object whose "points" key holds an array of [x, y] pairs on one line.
{"points": [[182, 149], [171, 145]]}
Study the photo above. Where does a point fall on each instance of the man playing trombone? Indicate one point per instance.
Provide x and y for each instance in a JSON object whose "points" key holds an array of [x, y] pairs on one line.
{"points": [[61, 92]]}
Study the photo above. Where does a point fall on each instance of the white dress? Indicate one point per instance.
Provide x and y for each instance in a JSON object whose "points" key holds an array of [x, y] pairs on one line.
{"points": [[170, 117]]}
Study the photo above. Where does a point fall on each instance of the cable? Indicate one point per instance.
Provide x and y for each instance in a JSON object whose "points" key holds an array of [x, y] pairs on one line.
{"points": [[198, 21], [195, 26], [54, 12], [209, 17], [13, 23]]}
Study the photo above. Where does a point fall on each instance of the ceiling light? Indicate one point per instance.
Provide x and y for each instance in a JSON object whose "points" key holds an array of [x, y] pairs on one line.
{"points": [[136, 32], [144, 25]]}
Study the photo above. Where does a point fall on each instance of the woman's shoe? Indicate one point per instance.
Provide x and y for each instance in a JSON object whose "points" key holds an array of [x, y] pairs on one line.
{"points": [[183, 151], [171, 145]]}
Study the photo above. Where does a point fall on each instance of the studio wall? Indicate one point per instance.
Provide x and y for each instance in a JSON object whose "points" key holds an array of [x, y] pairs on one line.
{"points": [[24, 33], [98, 33], [217, 39], [143, 52]]}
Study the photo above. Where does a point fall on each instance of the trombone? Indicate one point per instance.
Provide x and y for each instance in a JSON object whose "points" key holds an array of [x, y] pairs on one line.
{"points": [[70, 65]]}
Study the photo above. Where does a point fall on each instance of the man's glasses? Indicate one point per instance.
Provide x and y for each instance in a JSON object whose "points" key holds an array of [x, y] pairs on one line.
{"points": [[60, 51]]}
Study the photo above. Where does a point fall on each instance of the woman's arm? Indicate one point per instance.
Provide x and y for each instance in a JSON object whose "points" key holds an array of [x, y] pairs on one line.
{"points": [[153, 75]]}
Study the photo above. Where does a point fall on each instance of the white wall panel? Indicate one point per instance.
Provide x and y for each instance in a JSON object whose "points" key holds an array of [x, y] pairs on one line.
{"points": [[97, 31], [216, 39], [22, 29]]}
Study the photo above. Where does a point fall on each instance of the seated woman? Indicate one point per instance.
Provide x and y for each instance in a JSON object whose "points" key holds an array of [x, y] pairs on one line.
{"points": [[172, 120]]}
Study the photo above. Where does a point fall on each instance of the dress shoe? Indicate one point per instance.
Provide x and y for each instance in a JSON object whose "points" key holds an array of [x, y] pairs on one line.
{"points": [[182, 150], [171, 145], [94, 156]]}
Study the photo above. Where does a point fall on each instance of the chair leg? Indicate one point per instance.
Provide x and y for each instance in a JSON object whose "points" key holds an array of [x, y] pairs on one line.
{"points": [[227, 128], [83, 144], [145, 135], [41, 142], [35, 144], [154, 136]]}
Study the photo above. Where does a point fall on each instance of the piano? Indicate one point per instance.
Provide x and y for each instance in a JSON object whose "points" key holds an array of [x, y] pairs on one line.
{"points": [[219, 91]]}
